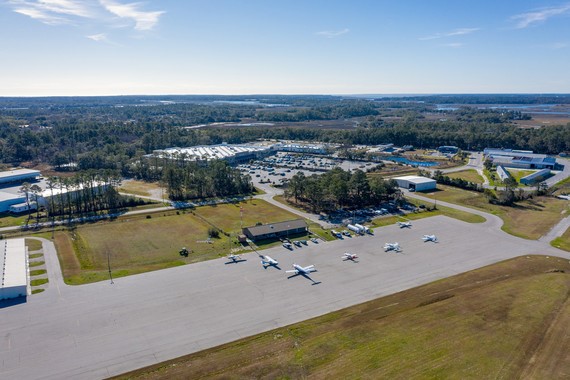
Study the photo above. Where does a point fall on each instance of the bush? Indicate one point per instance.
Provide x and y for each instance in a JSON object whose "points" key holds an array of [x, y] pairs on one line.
{"points": [[213, 232]]}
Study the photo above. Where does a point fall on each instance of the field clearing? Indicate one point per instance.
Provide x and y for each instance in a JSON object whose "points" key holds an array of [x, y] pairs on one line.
{"points": [[470, 175], [503, 321], [138, 244], [227, 216], [529, 219], [142, 188], [543, 120]]}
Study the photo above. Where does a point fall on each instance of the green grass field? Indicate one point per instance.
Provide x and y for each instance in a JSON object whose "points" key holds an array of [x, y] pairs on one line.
{"points": [[562, 242], [10, 220], [529, 219], [228, 218], [33, 244], [470, 175], [505, 321], [517, 174], [137, 244]]}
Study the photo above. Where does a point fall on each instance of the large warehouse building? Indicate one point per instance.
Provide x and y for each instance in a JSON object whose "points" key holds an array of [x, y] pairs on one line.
{"points": [[14, 269], [523, 159], [416, 183], [18, 175]]}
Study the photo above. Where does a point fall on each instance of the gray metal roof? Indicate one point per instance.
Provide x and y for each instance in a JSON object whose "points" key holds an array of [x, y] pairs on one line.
{"points": [[266, 229]]}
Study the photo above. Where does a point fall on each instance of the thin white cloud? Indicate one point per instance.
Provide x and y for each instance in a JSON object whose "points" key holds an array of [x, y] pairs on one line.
{"points": [[144, 20], [51, 12], [98, 37], [524, 20], [332, 33], [558, 45], [94, 13], [454, 45], [456, 32]]}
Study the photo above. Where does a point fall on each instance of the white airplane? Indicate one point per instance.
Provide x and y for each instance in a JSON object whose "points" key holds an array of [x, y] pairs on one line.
{"points": [[349, 256], [235, 258], [405, 224], [430, 238], [297, 269], [268, 261], [392, 247]]}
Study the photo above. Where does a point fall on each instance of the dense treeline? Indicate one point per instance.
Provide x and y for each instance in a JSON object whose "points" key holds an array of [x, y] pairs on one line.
{"points": [[100, 136], [79, 195], [188, 180], [338, 188]]}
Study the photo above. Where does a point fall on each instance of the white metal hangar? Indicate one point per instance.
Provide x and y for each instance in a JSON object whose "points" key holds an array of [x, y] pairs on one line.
{"points": [[14, 269], [415, 183]]}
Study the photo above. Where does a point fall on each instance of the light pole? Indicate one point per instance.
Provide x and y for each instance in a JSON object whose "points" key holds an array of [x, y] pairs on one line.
{"points": [[109, 265]]}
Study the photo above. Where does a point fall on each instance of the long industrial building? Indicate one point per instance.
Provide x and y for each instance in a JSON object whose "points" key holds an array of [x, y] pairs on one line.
{"points": [[523, 159], [231, 153], [14, 267]]}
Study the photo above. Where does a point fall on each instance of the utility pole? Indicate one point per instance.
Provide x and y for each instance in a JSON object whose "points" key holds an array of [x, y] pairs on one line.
{"points": [[109, 265]]}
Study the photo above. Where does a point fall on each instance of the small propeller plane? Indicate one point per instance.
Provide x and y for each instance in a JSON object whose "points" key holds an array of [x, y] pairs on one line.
{"points": [[392, 247], [267, 261], [349, 256], [303, 271], [430, 238], [234, 259], [405, 224]]}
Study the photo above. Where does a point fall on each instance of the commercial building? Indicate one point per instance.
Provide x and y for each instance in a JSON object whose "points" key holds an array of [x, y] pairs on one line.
{"points": [[448, 149], [234, 154], [276, 230], [7, 200], [535, 177], [14, 269], [18, 175], [523, 159], [301, 148], [416, 183], [502, 173]]}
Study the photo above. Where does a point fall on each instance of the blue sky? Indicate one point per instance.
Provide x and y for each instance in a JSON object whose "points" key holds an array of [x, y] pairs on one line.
{"points": [[119, 47]]}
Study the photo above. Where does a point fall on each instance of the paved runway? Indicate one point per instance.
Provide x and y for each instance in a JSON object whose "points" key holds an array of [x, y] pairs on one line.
{"points": [[99, 330]]}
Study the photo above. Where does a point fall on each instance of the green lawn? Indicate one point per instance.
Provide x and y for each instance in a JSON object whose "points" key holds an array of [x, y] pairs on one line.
{"points": [[517, 174], [228, 217], [529, 219], [484, 324], [470, 175], [10, 220], [562, 242], [33, 244], [137, 244]]}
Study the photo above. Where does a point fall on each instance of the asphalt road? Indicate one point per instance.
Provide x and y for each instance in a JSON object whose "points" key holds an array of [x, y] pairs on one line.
{"points": [[103, 329]]}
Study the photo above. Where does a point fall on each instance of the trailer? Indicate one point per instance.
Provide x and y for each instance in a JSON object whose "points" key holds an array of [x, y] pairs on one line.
{"points": [[364, 229], [355, 229]]}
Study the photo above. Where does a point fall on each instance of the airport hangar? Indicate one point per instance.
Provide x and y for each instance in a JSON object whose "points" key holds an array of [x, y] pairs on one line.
{"points": [[14, 269], [416, 183], [275, 230]]}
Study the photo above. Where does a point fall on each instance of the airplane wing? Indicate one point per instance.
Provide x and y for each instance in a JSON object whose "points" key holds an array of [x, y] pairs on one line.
{"points": [[292, 271]]}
